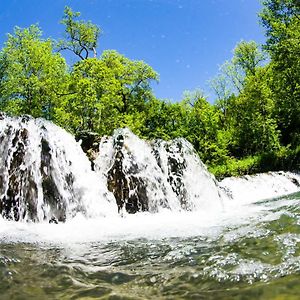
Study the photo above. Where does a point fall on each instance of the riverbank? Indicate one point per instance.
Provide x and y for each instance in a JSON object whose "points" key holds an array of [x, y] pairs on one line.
{"points": [[285, 159]]}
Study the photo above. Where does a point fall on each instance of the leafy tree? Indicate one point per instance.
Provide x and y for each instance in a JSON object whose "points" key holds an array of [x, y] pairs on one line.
{"points": [[254, 128], [106, 93], [32, 76], [166, 120], [247, 56], [281, 19], [134, 78], [81, 37], [231, 77], [204, 129]]}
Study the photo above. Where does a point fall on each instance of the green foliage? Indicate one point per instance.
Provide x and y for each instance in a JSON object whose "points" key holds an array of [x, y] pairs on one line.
{"points": [[235, 167], [80, 37], [166, 120], [283, 159], [248, 57], [32, 76], [108, 93], [255, 129], [204, 129], [281, 19]]}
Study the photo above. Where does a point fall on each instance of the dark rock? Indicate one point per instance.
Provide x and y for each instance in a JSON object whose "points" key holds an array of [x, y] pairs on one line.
{"points": [[53, 220], [89, 142], [295, 181], [2, 115], [21, 184], [129, 189], [24, 174], [176, 165], [51, 194]]}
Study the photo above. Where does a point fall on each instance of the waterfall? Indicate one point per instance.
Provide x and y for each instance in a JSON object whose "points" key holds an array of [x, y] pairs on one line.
{"points": [[251, 188], [46, 176], [150, 176]]}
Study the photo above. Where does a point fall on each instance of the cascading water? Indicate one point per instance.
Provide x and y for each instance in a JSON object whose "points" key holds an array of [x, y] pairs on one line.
{"points": [[147, 176], [188, 240], [44, 174], [180, 163]]}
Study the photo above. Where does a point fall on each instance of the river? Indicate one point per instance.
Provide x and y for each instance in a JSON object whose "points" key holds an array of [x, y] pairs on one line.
{"points": [[249, 251]]}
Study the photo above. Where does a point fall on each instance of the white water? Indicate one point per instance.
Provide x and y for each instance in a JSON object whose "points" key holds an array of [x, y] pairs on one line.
{"points": [[91, 209], [67, 160], [173, 174], [252, 188]]}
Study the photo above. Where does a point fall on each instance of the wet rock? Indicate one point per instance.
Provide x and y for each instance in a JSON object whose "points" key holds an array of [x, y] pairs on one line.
{"points": [[175, 167], [295, 181], [2, 115], [51, 194], [53, 220], [89, 142], [21, 189], [149, 176], [128, 189]]}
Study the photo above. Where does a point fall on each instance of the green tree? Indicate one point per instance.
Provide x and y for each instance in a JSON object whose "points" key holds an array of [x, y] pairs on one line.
{"points": [[281, 19], [32, 76], [254, 127], [248, 57], [166, 120], [205, 130], [81, 37], [232, 74], [108, 92]]}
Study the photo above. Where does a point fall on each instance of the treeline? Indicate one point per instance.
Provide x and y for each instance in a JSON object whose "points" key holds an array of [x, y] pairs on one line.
{"points": [[252, 126]]}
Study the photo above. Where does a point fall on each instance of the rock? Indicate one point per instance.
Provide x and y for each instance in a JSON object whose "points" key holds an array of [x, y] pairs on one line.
{"points": [[89, 142], [38, 162], [122, 183]]}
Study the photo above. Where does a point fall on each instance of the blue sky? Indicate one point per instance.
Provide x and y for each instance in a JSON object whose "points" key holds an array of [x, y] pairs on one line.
{"points": [[185, 41]]}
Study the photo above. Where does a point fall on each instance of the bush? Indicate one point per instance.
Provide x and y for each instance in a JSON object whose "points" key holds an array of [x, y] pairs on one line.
{"points": [[285, 159]]}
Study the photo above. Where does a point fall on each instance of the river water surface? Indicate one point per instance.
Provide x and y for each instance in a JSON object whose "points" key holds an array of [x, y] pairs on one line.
{"points": [[249, 252]]}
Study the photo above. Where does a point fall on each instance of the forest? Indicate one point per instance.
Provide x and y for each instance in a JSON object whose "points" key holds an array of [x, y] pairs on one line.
{"points": [[252, 126]]}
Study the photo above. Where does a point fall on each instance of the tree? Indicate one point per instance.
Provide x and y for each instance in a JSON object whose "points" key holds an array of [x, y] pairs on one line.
{"points": [[81, 37], [281, 19], [232, 76], [32, 76], [254, 127], [247, 56], [108, 92], [134, 78], [166, 120], [204, 129]]}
